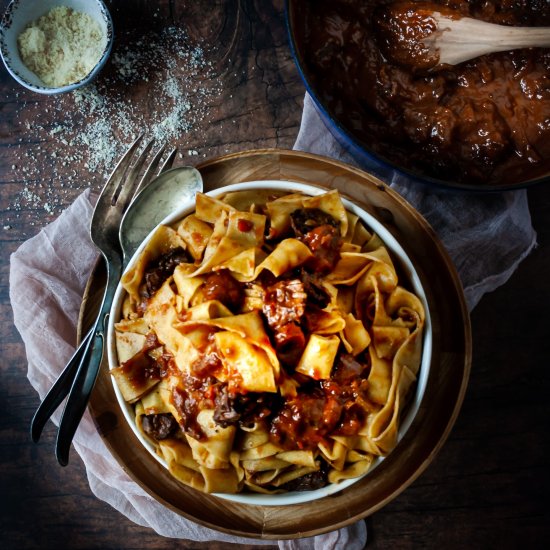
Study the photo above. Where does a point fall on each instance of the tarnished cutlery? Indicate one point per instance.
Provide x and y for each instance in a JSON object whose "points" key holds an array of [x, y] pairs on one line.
{"points": [[122, 188], [154, 203]]}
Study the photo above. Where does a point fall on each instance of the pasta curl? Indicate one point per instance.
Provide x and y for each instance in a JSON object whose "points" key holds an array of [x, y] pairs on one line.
{"points": [[267, 344]]}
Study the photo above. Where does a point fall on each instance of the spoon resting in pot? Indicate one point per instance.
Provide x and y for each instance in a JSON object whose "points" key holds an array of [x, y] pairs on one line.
{"points": [[423, 36]]}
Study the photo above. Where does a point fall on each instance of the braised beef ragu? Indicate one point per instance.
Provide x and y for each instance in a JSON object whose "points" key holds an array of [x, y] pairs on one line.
{"points": [[305, 420], [200, 391], [206, 365], [401, 28], [356, 407], [165, 364], [156, 272], [309, 482], [292, 309], [159, 426], [225, 413], [151, 341], [325, 243], [483, 122], [190, 398], [159, 270], [290, 342], [257, 407], [244, 409], [162, 362], [142, 368], [338, 405], [284, 302], [321, 233], [303, 220], [221, 286], [316, 294], [347, 369]]}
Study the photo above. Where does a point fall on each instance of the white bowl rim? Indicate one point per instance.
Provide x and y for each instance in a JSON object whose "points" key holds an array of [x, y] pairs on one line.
{"points": [[7, 53], [294, 497]]}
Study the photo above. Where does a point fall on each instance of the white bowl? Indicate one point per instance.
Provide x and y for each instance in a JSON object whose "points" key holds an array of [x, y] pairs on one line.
{"points": [[398, 254], [20, 13]]}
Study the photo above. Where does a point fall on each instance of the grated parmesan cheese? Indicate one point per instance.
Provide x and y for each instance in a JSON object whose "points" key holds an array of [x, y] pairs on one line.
{"points": [[62, 46], [151, 86]]}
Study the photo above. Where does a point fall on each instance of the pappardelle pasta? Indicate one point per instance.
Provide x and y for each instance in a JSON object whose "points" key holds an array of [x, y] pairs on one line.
{"points": [[266, 343]]}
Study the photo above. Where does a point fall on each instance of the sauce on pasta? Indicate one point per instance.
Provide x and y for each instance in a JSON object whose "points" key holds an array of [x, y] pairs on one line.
{"points": [[267, 344]]}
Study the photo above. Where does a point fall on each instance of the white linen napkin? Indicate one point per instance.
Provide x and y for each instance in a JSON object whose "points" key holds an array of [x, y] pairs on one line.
{"points": [[486, 236]]}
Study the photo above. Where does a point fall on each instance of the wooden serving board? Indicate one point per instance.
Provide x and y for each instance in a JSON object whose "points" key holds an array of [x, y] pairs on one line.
{"points": [[451, 359]]}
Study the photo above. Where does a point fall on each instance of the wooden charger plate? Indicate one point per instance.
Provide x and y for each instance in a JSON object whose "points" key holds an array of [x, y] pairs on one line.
{"points": [[451, 359]]}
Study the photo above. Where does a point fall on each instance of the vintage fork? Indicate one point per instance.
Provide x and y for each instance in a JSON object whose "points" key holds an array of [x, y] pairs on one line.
{"points": [[78, 377]]}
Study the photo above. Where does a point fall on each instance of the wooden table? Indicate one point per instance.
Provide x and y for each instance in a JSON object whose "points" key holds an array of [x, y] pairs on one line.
{"points": [[240, 90]]}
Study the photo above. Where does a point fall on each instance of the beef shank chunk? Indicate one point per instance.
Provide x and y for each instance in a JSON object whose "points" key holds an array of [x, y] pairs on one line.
{"points": [[159, 426]]}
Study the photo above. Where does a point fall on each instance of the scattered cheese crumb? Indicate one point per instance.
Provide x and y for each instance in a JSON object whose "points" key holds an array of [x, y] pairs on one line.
{"points": [[167, 63]]}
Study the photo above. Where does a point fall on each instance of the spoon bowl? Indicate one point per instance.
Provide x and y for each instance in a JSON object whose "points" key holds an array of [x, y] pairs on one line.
{"points": [[153, 203]]}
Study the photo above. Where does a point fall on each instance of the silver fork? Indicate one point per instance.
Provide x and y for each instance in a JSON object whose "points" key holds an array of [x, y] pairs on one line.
{"points": [[78, 377]]}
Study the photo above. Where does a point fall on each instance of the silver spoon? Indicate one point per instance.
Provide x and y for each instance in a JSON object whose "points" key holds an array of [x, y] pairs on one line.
{"points": [[161, 197], [150, 206], [424, 35]]}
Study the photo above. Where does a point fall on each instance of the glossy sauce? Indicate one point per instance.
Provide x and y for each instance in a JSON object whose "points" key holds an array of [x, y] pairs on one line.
{"points": [[401, 30], [291, 312], [486, 121], [337, 406]]}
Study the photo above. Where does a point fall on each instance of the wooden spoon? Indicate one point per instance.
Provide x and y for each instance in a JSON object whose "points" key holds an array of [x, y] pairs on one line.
{"points": [[426, 35]]}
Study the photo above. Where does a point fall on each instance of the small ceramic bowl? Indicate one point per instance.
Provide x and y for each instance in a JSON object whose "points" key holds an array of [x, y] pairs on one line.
{"points": [[405, 264], [20, 13]]}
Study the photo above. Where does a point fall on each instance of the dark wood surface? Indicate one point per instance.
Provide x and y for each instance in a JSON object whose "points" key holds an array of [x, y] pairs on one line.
{"points": [[488, 486]]}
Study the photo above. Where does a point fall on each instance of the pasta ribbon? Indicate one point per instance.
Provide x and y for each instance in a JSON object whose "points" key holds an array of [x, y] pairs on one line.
{"points": [[267, 343]]}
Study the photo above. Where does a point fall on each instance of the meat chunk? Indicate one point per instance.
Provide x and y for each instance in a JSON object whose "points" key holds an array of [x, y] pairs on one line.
{"points": [[321, 233], [159, 426], [225, 413], [222, 286], [313, 287], [306, 419], [347, 369], [242, 409], [158, 271], [289, 344], [304, 220], [325, 243], [284, 302], [309, 482]]}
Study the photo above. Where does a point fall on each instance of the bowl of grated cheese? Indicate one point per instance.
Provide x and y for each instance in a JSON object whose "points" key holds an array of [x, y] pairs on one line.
{"points": [[55, 46]]}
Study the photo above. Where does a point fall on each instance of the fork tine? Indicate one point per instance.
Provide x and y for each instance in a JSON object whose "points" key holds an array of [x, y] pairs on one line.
{"points": [[117, 175], [128, 185], [169, 161], [151, 170]]}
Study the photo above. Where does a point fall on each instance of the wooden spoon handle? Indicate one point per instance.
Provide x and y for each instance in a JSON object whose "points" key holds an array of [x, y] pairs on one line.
{"points": [[537, 37], [483, 37]]}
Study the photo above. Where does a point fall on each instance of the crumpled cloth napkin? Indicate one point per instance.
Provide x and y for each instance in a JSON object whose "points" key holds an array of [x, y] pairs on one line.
{"points": [[48, 274], [486, 236]]}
